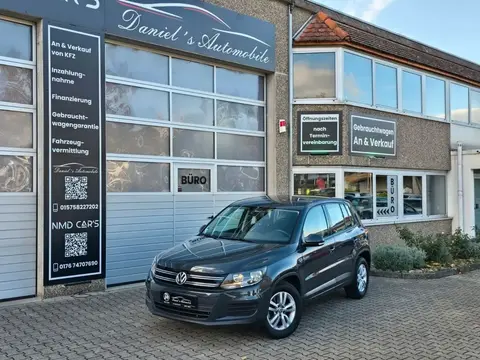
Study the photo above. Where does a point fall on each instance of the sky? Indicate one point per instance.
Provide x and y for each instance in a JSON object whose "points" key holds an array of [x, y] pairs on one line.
{"points": [[451, 26]]}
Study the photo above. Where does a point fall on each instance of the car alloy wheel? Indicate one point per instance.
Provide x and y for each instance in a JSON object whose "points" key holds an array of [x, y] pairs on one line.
{"points": [[281, 311], [362, 278]]}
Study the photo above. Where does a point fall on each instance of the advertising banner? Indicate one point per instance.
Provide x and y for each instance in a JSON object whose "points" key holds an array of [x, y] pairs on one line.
{"points": [[320, 133], [373, 136], [74, 183]]}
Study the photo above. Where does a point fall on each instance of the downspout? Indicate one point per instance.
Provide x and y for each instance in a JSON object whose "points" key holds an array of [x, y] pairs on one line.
{"points": [[290, 99], [460, 184]]}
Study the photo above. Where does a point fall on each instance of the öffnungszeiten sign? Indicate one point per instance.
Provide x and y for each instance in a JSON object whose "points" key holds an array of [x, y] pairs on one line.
{"points": [[319, 133], [369, 136]]}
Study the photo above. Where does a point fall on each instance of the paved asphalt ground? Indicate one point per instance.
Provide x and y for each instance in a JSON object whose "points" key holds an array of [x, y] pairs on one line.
{"points": [[398, 319]]}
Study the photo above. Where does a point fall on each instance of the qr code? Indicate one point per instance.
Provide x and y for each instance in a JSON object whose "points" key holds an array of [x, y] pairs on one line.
{"points": [[75, 244], [76, 187]]}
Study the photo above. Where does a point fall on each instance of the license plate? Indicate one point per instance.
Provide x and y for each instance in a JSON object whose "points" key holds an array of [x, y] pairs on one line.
{"points": [[182, 301]]}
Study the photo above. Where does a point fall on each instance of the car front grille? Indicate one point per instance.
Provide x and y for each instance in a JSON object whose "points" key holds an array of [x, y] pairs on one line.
{"points": [[165, 275], [191, 313]]}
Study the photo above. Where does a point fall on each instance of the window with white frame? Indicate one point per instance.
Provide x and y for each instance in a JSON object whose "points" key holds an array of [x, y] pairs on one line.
{"points": [[17, 107], [358, 79], [458, 103], [314, 75], [163, 110], [373, 82], [435, 97], [380, 195]]}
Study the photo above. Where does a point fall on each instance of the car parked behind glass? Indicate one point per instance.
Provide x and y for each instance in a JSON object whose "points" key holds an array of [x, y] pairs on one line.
{"points": [[259, 260]]}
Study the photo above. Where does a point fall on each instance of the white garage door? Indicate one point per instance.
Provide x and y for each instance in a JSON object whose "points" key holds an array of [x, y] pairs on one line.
{"points": [[184, 139], [17, 160]]}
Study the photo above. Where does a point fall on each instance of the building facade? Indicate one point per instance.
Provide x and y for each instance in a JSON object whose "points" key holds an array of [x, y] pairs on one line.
{"points": [[125, 125]]}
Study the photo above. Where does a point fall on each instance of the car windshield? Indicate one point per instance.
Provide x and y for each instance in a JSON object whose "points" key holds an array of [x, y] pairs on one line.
{"points": [[253, 224]]}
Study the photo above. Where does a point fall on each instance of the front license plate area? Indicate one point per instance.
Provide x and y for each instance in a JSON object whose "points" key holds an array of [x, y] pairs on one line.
{"points": [[179, 301]]}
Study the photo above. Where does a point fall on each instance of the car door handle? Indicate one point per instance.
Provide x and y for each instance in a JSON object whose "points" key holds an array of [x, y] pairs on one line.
{"points": [[332, 248]]}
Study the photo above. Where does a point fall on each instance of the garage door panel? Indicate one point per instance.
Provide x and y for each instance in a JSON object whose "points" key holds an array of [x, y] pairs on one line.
{"points": [[159, 220], [13, 200], [23, 217], [131, 260], [133, 236], [18, 293], [18, 246], [137, 249], [118, 213], [18, 259], [5, 286], [17, 267], [17, 234], [136, 233]]}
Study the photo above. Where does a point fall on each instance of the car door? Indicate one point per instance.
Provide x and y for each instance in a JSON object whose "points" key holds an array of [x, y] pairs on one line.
{"points": [[316, 261], [337, 225], [345, 243]]}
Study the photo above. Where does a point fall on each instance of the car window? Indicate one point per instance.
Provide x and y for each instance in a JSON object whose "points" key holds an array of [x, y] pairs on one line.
{"points": [[347, 215], [335, 214], [315, 222], [253, 223]]}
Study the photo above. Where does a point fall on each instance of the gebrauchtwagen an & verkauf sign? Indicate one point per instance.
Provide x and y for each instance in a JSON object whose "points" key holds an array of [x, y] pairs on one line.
{"points": [[369, 136]]}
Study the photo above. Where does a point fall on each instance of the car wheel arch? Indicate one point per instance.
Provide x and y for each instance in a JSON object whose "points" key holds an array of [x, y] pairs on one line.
{"points": [[366, 255], [292, 278]]}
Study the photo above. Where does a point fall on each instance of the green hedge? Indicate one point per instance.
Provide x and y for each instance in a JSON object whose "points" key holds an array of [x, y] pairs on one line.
{"points": [[398, 258], [442, 248]]}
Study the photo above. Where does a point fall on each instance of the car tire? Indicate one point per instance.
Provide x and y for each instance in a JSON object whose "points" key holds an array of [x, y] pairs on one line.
{"points": [[361, 279], [284, 294]]}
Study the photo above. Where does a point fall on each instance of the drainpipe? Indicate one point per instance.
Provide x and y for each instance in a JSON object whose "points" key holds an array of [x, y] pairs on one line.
{"points": [[290, 99], [460, 184]]}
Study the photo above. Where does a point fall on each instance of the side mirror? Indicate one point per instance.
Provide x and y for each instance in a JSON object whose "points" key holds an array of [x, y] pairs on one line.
{"points": [[201, 229], [313, 240]]}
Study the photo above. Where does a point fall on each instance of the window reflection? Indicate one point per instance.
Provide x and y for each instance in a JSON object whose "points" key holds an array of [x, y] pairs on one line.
{"points": [[240, 147], [16, 129], [193, 144], [412, 92], [475, 107], [128, 176], [386, 86], [16, 41], [359, 191], [458, 103], [240, 116], [435, 98], [16, 174], [136, 64], [240, 84], [412, 195], [436, 195], [314, 75], [358, 79], [192, 75], [136, 102], [314, 184], [240, 178], [192, 110]]}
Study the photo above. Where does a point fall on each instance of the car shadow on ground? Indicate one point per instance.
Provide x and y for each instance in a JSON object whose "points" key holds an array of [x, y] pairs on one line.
{"points": [[311, 311]]}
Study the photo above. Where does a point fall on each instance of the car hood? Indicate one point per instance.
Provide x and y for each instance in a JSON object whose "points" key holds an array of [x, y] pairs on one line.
{"points": [[221, 256]]}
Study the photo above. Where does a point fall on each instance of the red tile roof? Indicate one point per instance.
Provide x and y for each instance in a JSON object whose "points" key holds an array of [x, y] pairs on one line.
{"points": [[328, 27], [322, 29]]}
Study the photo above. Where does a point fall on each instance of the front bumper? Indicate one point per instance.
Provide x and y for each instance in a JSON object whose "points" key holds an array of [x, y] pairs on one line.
{"points": [[213, 307]]}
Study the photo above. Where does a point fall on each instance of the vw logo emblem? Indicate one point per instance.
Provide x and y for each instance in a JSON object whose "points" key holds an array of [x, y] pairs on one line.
{"points": [[181, 278], [166, 297]]}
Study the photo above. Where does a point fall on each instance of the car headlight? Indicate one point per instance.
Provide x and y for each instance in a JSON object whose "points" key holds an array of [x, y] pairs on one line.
{"points": [[244, 279], [154, 265]]}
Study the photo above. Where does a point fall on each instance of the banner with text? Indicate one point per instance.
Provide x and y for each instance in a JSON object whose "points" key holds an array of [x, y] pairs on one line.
{"points": [[74, 189], [373, 136], [319, 133], [196, 27]]}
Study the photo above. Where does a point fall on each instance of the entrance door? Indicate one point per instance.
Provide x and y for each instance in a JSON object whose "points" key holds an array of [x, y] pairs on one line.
{"points": [[193, 198], [477, 202]]}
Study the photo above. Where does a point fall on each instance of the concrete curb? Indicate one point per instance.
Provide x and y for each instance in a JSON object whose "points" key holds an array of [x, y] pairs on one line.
{"points": [[425, 275]]}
